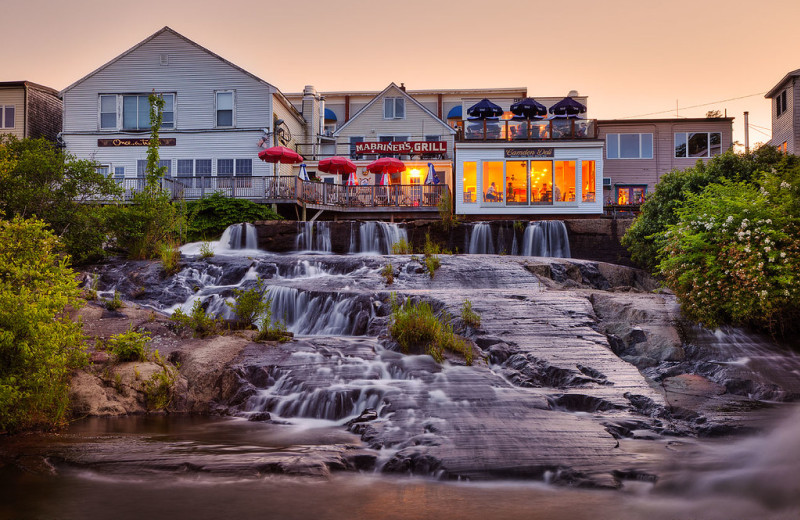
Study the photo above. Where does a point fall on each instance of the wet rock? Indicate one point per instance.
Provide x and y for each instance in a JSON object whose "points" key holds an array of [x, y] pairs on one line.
{"points": [[366, 416], [259, 417]]}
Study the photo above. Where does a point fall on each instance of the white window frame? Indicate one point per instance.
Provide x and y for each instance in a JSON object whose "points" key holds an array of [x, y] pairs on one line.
{"points": [[119, 105], [619, 146], [694, 157], [394, 103], [3, 122], [100, 112], [233, 108]]}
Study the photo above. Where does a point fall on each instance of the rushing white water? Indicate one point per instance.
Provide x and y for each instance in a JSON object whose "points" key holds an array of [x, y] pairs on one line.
{"points": [[546, 238], [236, 239], [480, 239], [314, 236], [375, 237]]}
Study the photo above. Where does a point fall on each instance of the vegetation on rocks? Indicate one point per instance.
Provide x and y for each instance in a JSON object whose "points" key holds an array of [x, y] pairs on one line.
{"points": [[415, 326], [130, 345], [39, 344], [469, 316], [388, 274], [197, 321], [209, 216]]}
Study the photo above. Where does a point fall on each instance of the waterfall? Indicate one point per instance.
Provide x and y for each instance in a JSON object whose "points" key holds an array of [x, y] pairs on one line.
{"points": [[480, 239], [546, 238], [305, 313], [314, 236], [239, 236], [376, 237]]}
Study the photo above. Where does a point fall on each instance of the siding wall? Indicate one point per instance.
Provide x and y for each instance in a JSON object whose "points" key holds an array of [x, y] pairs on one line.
{"points": [[194, 75], [571, 151], [44, 114], [14, 96], [296, 128], [783, 126], [649, 171]]}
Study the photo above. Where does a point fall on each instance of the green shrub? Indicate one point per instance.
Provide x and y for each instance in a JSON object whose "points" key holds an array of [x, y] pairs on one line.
{"points": [[201, 324], [170, 257], [414, 326], [432, 263], [469, 316], [130, 345], [115, 303], [448, 219], [249, 305], [39, 345], [388, 274], [209, 216], [90, 291], [159, 389], [401, 247], [206, 251]]}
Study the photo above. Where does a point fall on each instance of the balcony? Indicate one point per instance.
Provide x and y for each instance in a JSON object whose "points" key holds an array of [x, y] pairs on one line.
{"points": [[510, 130]]}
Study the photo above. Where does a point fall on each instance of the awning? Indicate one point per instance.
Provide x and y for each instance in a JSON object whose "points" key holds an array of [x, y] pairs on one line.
{"points": [[330, 115], [455, 113]]}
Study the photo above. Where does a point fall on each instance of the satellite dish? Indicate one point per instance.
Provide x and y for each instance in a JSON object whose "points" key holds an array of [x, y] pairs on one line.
{"points": [[282, 132]]}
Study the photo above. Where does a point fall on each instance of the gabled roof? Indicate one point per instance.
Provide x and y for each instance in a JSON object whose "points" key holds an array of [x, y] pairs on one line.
{"points": [[159, 33], [28, 84], [774, 90], [406, 96]]}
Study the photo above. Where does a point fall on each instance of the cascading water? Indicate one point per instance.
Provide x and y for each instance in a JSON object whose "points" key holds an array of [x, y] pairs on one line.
{"points": [[546, 238], [480, 240], [319, 314], [376, 237], [236, 239], [314, 236]]}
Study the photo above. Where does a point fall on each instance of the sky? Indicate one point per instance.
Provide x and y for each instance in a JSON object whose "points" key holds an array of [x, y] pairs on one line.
{"points": [[631, 58]]}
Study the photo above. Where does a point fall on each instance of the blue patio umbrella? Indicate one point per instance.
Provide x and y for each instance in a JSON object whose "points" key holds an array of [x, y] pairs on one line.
{"points": [[529, 108], [303, 174], [431, 178], [567, 107], [484, 109]]}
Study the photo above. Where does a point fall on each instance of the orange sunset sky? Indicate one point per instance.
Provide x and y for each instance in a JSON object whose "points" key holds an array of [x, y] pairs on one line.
{"points": [[632, 58]]}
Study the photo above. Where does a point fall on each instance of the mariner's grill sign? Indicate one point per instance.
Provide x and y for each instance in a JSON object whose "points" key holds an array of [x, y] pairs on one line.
{"points": [[402, 147], [169, 141], [511, 153]]}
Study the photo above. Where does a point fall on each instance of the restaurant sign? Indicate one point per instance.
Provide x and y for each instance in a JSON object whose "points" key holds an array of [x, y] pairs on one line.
{"points": [[402, 147], [529, 152], [169, 141]]}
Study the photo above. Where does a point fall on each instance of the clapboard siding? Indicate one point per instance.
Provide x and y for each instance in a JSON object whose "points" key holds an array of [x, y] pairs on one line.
{"points": [[14, 96], [650, 171], [783, 126], [193, 74], [578, 152], [43, 113]]}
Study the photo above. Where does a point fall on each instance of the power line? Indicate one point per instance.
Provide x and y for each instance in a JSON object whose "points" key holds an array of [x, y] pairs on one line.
{"points": [[696, 106]]}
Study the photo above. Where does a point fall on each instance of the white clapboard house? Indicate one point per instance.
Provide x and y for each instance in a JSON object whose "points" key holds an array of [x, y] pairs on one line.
{"points": [[216, 119]]}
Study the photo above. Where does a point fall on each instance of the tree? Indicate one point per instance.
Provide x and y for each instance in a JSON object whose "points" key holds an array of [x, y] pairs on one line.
{"points": [[660, 210], [39, 344], [713, 114], [41, 180], [151, 220]]}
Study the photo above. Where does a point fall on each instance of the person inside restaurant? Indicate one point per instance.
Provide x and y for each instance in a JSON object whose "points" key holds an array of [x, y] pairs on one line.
{"points": [[492, 195]]}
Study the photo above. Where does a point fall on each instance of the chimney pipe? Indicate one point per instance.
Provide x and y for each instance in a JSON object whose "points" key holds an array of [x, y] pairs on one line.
{"points": [[403, 87], [746, 132]]}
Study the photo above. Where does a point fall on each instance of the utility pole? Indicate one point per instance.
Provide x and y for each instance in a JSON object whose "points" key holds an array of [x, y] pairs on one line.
{"points": [[746, 132]]}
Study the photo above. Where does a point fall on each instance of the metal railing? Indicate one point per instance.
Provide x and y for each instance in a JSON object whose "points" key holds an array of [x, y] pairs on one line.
{"points": [[292, 189], [510, 130]]}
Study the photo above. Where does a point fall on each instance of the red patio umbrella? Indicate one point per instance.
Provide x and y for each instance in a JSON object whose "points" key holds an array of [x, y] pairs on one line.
{"points": [[337, 165], [386, 165], [280, 154]]}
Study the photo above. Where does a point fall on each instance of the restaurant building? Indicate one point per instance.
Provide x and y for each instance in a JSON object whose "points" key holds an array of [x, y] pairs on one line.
{"points": [[638, 152]]}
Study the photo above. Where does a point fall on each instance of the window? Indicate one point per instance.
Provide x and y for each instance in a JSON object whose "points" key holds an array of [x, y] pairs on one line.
{"points": [[698, 144], [784, 147], [780, 104], [202, 168], [119, 172], [141, 166], [185, 167], [7, 114], [353, 141], [103, 170], [629, 146], [433, 137], [108, 112], [244, 167], [224, 108], [631, 194], [470, 181], [136, 112], [517, 182], [541, 183], [589, 181], [564, 185], [493, 181], [166, 163], [224, 167], [394, 108]]}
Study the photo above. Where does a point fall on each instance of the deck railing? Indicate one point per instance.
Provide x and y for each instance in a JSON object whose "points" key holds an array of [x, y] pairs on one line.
{"points": [[292, 189], [510, 130]]}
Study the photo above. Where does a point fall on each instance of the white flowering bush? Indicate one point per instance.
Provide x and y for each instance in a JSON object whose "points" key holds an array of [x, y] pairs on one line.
{"points": [[734, 254]]}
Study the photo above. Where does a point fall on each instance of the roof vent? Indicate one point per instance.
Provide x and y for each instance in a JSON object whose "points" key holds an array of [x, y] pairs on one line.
{"points": [[164, 59], [573, 93]]}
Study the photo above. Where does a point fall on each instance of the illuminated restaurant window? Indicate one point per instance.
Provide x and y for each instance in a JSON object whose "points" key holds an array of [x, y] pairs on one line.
{"points": [[589, 181], [629, 146], [492, 181], [564, 190], [470, 181], [517, 182], [632, 194], [541, 182], [394, 108], [698, 144]]}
